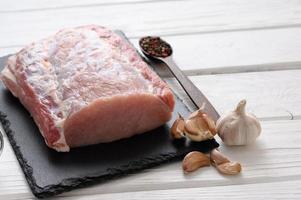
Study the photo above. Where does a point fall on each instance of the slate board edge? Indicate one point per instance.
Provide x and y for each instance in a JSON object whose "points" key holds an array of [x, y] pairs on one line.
{"points": [[52, 190]]}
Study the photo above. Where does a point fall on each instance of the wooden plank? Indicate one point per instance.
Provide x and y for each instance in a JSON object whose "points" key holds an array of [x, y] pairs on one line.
{"points": [[230, 52], [279, 190], [270, 95], [290, 65], [275, 157], [34, 5], [161, 18]]}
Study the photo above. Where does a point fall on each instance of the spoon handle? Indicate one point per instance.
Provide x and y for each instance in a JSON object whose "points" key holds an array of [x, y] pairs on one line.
{"points": [[196, 96]]}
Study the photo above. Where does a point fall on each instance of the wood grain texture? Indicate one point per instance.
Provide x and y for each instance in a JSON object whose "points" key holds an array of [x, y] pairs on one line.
{"points": [[259, 191], [248, 191], [233, 52], [35, 5], [275, 157], [274, 94], [243, 50], [181, 17], [229, 52], [219, 37], [270, 95]]}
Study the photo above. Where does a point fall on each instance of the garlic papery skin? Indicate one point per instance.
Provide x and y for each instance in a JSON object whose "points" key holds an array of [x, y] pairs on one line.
{"points": [[238, 127], [199, 126]]}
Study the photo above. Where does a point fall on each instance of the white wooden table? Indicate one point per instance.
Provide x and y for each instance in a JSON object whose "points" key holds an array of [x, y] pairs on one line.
{"points": [[231, 49]]}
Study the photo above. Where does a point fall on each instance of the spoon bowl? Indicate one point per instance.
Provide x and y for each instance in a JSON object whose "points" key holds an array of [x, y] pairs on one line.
{"points": [[155, 47]]}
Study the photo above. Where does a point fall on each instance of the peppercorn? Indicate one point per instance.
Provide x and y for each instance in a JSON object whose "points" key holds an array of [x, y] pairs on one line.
{"points": [[155, 46]]}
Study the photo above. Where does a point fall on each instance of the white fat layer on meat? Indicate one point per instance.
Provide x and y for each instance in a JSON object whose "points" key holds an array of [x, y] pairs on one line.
{"points": [[91, 45], [7, 73], [61, 144]]}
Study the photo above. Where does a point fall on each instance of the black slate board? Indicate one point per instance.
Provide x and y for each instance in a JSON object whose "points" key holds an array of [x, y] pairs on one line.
{"points": [[49, 173]]}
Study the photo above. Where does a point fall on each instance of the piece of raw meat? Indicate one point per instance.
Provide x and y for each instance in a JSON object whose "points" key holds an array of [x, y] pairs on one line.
{"points": [[86, 85]]}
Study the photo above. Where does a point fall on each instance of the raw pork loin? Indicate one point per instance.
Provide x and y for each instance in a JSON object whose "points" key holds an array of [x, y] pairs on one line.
{"points": [[86, 85]]}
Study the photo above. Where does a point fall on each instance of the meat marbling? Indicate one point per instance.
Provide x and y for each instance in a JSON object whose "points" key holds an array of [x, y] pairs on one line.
{"points": [[86, 85]]}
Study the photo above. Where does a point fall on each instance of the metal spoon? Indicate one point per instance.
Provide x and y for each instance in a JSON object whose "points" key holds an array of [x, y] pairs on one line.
{"points": [[196, 96]]}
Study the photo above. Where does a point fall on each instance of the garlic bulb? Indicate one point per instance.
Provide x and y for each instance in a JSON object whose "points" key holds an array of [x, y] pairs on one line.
{"points": [[238, 127], [199, 126]]}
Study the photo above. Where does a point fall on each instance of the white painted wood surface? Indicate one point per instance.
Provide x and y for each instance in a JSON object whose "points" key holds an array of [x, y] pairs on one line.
{"points": [[231, 49]]}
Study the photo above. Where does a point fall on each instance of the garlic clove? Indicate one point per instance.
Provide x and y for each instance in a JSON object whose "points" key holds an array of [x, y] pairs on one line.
{"points": [[238, 127], [197, 112], [223, 164], [199, 126], [177, 128], [210, 124], [217, 158], [195, 160], [229, 168]]}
